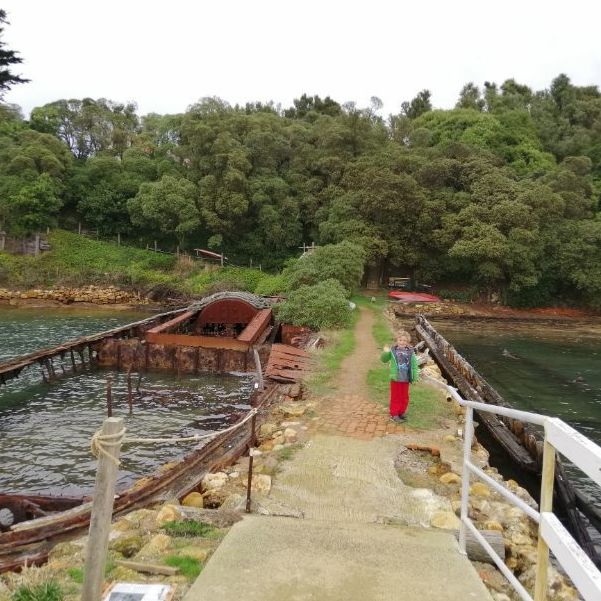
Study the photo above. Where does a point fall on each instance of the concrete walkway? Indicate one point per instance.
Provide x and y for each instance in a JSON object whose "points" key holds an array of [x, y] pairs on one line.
{"points": [[347, 491]]}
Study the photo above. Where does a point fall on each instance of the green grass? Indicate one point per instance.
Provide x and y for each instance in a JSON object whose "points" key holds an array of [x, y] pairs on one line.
{"points": [[188, 566], [427, 406], [189, 528], [288, 453], [48, 591], [76, 574], [76, 260], [341, 343]]}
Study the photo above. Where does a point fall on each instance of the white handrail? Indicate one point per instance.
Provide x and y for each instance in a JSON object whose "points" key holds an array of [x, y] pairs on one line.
{"points": [[559, 436]]}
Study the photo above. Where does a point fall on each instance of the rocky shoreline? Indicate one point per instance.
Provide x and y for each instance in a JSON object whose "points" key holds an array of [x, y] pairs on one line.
{"points": [[84, 296]]}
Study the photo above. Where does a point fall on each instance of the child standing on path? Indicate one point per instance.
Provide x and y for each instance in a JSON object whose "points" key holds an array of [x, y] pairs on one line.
{"points": [[403, 370]]}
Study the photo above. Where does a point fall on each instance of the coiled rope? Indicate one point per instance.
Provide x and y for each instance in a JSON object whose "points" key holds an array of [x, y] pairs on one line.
{"points": [[101, 442]]}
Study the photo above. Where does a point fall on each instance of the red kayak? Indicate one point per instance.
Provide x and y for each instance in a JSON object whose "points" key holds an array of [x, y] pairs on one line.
{"points": [[413, 297]]}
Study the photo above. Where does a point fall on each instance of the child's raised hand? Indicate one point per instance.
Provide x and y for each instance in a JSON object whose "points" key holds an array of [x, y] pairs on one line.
{"points": [[385, 348]]}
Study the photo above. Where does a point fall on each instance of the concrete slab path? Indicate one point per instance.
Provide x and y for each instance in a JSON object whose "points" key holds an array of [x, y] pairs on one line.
{"points": [[346, 488], [285, 559]]}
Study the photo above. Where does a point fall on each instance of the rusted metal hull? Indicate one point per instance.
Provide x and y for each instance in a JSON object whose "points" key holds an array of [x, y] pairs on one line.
{"points": [[73, 350], [29, 542]]}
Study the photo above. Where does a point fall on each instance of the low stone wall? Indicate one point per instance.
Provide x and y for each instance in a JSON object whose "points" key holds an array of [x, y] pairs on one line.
{"points": [[99, 295]]}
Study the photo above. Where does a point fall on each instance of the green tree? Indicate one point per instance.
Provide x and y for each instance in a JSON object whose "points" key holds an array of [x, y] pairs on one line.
{"points": [[35, 206], [167, 206]]}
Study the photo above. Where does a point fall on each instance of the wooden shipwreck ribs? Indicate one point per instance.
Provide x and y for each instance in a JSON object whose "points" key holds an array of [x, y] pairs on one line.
{"points": [[223, 332], [522, 442]]}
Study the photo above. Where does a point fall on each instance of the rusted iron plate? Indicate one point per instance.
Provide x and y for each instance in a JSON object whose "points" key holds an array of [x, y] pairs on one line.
{"points": [[256, 326], [287, 363], [227, 310], [218, 342], [170, 325]]}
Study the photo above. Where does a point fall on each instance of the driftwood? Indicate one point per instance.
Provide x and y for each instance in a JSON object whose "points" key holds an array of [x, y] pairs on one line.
{"points": [[148, 568], [476, 552]]}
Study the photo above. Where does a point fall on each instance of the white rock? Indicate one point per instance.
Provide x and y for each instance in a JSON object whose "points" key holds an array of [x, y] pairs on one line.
{"points": [[234, 474], [261, 483], [214, 481]]}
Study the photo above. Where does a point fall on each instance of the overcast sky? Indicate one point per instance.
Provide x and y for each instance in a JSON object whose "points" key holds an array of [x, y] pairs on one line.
{"points": [[166, 55]]}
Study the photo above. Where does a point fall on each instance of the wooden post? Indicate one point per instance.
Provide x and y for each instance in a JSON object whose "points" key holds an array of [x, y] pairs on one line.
{"points": [[36, 248], [79, 228], [251, 444], [258, 368], [156, 248], [109, 397], [118, 238], [546, 505], [102, 511], [130, 399], [2, 240], [73, 360]]}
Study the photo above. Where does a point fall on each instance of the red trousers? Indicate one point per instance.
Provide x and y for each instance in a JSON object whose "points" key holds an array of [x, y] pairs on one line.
{"points": [[399, 397]]}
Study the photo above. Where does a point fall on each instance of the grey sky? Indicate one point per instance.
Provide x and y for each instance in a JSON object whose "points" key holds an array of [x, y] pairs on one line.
{"points": [[166, 55]]}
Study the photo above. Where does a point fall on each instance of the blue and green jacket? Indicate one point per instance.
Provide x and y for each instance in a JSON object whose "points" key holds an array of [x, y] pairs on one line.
{"points": [[407, 370]]}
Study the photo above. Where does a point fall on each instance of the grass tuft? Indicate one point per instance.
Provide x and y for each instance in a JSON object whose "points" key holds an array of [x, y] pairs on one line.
{"points": [[189, 529], [76, 574], [48, 591], [188, 566]]}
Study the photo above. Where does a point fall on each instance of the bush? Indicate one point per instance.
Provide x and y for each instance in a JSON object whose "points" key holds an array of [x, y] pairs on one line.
{"points": [[467, 295], [321, 306], [233, 278], [344, 262], [272, 285]]}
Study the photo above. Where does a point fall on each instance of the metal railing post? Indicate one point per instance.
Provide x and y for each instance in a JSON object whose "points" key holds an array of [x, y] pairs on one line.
{"points": [[468, 436], [546, 505]]}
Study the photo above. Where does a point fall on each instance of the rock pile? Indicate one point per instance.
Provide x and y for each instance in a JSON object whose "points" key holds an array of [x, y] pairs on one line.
{"points": [[100, 295]]}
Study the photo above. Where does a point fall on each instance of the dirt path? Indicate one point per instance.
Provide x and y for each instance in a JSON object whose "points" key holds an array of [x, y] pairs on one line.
{"points": [[352, 378], [349, 410]]}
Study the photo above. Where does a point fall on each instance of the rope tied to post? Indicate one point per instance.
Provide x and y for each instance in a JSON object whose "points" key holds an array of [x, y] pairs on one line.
{"points": [[100, 443]]}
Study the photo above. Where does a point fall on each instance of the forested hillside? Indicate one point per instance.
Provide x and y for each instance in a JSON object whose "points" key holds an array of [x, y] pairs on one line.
{"points": [[501, 193]]}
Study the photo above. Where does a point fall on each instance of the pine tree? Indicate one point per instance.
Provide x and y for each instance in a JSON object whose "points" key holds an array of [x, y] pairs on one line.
{"points": [[8, 58]]}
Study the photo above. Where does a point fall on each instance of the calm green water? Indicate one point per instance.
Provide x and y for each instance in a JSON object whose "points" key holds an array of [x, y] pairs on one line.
{"points": [[45, 429], [544, 369]]}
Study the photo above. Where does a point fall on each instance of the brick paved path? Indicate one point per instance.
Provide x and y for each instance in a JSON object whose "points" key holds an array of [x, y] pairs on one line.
{"points": [[349, 411]]}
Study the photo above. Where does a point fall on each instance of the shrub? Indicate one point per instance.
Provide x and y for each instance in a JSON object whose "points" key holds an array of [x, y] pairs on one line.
{"points": [[272, 285], [461, 296], [343, 262], [323, 305]]}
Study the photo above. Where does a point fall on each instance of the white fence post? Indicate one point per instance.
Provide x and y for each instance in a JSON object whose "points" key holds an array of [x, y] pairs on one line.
{"points": [[468, 436], [102, 509]]}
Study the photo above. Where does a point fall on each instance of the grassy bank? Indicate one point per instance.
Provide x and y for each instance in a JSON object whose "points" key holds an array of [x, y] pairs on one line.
{"points": [[340, 344], [75, 260]]}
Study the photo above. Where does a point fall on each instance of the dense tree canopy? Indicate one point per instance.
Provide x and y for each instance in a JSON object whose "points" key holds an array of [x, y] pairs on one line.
{"points": [[501, 192]]}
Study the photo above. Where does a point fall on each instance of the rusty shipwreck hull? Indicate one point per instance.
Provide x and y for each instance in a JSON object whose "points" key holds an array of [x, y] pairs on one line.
{"points": [[75, 355], [522, 442], [29, 542]]}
